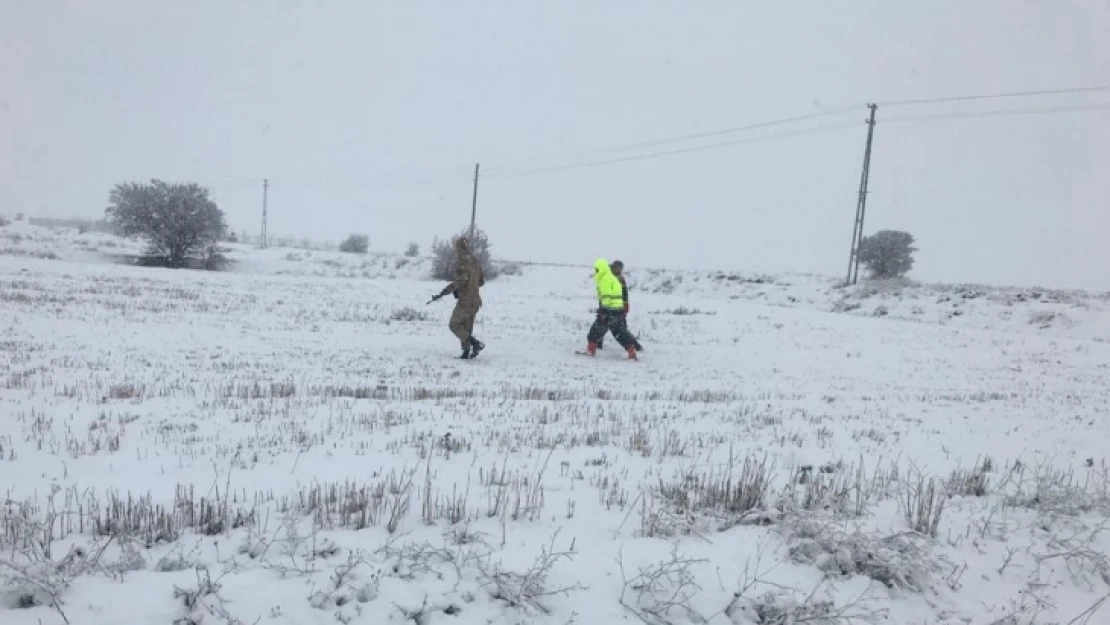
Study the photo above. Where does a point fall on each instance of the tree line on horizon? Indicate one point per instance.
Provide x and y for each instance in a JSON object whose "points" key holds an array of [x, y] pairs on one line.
{"points": [[182, 227]]}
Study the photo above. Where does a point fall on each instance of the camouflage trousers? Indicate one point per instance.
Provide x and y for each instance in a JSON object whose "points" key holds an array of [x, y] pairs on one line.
{"points": [[462, 320], [613, 321]]}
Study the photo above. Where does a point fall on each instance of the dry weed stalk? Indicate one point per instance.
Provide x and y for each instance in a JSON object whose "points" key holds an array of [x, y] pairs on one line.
{"points": [[922, 503]]}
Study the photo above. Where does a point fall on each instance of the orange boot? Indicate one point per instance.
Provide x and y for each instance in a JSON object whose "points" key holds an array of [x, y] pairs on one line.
{"points": [[632, 353], [591, 349]]}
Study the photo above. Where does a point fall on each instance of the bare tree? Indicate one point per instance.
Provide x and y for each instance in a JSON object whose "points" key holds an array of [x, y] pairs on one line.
{"points": [[444, 261], [176, 219]]}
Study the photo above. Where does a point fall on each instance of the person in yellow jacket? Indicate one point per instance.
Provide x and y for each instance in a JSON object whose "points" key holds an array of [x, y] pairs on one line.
{"points": [[618, 269], [610, 313]]}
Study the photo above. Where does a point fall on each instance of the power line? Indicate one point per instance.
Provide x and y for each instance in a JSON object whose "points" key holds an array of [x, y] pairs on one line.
{"points": [[798, 118], [384, 181], [691, 137], [996, 96], [710, 146], [998, 113], [421, 178]]}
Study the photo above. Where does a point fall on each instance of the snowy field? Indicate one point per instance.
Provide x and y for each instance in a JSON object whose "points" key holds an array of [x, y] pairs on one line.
{"points": [[292, 441]]}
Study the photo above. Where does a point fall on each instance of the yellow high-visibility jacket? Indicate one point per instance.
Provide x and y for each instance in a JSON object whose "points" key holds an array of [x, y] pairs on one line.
{"points": [[610, 292]]}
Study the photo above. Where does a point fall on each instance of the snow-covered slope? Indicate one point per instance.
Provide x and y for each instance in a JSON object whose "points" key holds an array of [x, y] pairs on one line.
{"points": [[292, 441], [1051, 312], [1037, 310]]}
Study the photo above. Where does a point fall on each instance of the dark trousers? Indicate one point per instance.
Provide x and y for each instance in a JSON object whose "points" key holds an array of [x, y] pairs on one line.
{"points": [[611, 321]]}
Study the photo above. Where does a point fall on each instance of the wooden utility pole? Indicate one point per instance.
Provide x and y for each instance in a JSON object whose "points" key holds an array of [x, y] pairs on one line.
{"points": [[265, 190], [861, 204], [474, 205]]}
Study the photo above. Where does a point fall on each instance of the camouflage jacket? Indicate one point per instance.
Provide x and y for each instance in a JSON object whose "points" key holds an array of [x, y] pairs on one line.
{"points": [[468, 278]]}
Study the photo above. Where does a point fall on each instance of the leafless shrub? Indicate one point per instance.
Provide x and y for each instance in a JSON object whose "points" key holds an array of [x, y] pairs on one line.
{"points": [[409, 560], [444, 260], [416, 616], [1077, 550], [174, 561], [30, 576], [408, 314], [973, 482], [658, 591], [684, 311], [1051, 490], [130, 558], [529, 588], [782, 605], [341, 588], [203, 600], [832, 488], [1027, 608]]}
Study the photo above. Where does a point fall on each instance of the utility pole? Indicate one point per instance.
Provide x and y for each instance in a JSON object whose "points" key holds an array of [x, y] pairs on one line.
{"points": [[474, 205], [861, 205], [265, 190]]}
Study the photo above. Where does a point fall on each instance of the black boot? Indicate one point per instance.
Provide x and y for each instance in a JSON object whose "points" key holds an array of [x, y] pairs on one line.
{"points": [[466, 353], [476, 346]]}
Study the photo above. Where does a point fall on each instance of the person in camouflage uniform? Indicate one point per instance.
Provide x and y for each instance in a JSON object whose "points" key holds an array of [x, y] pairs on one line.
{"points": [[468, 278]]}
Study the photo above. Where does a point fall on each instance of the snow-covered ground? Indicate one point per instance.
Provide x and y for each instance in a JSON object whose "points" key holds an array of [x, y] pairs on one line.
{"points": [[292, 441]]}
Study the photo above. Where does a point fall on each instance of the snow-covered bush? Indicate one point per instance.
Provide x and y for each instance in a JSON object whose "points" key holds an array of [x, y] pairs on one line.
{"points": [[355, 244], [900, 560], [176, 220], [789, 607], [887, 253], [444, 261], [510, 269]]}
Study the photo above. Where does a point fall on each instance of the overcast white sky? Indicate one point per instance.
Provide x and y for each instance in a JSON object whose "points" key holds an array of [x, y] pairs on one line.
{"points": [[368, 116]]}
